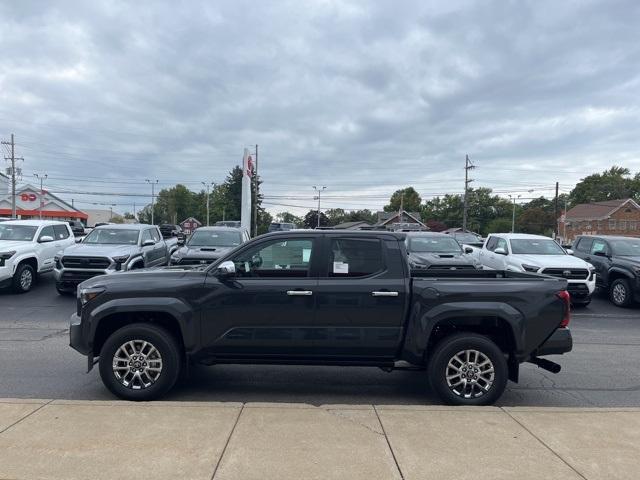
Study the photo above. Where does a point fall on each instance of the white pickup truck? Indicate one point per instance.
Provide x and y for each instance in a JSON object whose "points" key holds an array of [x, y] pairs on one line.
{"points": [[521, 252], [28, 248]]}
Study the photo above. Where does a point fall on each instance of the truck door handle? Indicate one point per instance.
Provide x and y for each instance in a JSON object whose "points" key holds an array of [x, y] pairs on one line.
{"points": [[384, 294], [299, 293]]}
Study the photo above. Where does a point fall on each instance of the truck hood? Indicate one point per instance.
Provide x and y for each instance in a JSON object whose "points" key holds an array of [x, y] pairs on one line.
{"points": [[11, 245], [440, 259], [100, 250], [202, 252], [149, 277], [550, 261]]}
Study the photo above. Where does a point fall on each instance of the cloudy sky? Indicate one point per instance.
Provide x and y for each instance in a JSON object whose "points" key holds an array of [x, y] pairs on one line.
{"points": [[363, 97]]}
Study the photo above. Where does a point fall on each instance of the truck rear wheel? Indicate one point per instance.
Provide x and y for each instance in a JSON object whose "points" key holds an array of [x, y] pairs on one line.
{"points": [[468, 369], [140, 362], [620, 293]]}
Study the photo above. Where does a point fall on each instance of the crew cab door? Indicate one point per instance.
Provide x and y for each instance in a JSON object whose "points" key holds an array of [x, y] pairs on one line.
{"points": [[268, 307], [600, 257], [361, 296], [47, 250]]}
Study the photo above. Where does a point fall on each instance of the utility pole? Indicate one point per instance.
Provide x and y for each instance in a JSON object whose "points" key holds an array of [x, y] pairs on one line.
{"points": [[207, 186], [319, 190], [513, 217], [555, 209], [13, 159], [255, 193], [153, 185], [467, 166], [42, 178]]}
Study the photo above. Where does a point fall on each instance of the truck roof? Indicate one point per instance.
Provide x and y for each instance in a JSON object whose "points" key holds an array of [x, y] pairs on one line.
{"points": [[338, 233], [34, 223], [522, 236], [610, 237], [124, 226]]}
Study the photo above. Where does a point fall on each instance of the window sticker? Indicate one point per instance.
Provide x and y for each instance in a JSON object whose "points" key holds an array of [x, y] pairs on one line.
{"points": [[340, 267]]}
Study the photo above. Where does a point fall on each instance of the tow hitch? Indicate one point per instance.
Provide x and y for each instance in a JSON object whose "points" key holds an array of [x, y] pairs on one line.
{"points": [[548, 365]]}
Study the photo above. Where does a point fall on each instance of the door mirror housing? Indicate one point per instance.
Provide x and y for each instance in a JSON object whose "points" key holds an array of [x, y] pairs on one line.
{"points": [[148, 243], [79, 239], [500, 251], [569, 251], [226, 269], [45, 239], [468, 250]]}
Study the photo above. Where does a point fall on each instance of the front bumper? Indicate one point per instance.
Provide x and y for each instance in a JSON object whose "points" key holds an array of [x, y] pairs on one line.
{"points": [[68, 279], [558, 343], [76, 340], [6, 274]]}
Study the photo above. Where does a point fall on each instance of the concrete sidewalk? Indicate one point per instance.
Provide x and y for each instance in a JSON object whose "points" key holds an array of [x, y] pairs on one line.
{"points": [[60, 439]]}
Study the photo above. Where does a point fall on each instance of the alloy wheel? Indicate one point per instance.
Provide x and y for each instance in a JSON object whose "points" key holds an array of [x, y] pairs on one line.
{"points": [[470, 374], [137, 364], [26, 279]]}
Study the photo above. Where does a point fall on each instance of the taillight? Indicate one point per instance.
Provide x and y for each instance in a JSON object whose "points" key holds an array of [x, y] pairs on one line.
{"points": [[566, 298]]}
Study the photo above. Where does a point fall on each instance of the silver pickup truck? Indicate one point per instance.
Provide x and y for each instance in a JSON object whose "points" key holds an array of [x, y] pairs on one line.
{"points": [[109, 249]]}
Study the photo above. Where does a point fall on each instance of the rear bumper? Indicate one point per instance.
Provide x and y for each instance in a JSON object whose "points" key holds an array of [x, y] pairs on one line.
{"points": [[558, 343]]}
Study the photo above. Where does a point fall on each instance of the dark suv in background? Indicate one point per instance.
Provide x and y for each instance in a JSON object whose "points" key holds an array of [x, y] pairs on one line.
{"points": [[77, 227], [168, 230], [617, 263]]}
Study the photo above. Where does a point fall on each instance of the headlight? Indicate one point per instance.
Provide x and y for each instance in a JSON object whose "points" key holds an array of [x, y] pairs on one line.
{"points": [[87, 294], [530, 268], [120, 260], [6, 256], [56, 259]]}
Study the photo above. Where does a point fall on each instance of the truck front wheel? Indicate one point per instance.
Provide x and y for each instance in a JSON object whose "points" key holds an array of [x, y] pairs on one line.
{"points": [[140, 362], [468, 369]]}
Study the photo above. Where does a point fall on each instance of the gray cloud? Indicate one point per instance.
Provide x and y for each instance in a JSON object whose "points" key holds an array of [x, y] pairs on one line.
{"points": [[363, 97]]}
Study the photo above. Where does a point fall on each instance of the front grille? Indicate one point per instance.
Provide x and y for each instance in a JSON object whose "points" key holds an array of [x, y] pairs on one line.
{"points": [[94, 263], [77, 277], [568, 273], [451, 267]]}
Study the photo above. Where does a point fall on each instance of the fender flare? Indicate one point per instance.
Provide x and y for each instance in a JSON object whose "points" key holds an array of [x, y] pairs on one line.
{"points": [[135, 260], [21, 258], [622, 271], [176, 308], [423, 322]]}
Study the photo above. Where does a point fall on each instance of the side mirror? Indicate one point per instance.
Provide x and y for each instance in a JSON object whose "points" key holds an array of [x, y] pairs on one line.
{"points": [[45, 239], [500, 251], [569, 251], [601, 253], [180, 241], [468, 250], [79, 239], [226, 269], [148, 243]]}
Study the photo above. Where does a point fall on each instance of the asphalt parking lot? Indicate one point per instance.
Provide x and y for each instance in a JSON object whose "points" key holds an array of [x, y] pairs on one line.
{"points": [[36, 362]]}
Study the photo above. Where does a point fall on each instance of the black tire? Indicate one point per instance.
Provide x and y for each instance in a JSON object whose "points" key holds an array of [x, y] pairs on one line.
{"points": [[169, 352], [63, 292], [620, 293], [20, 286], [582, 304], [447, 349]]}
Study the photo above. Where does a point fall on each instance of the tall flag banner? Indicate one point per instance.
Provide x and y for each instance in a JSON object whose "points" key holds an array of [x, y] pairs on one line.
{"points": [[247, 173]]}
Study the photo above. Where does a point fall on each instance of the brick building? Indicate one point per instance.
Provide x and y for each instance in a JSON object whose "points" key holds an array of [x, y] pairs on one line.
{"points": [[612, 217]]}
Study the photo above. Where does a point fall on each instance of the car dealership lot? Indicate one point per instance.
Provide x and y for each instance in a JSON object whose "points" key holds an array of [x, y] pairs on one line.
{"points": [[37, 363]]}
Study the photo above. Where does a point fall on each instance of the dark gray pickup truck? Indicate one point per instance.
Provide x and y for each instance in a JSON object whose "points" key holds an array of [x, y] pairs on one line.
{"points": [[321, 298]]}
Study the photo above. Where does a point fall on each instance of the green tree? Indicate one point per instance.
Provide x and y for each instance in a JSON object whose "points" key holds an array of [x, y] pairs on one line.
{"points": [[335, 216], [537, 221], [287, 217], [364, 215], [311, 219], [498, 225], [407, 197], [613, 184]]}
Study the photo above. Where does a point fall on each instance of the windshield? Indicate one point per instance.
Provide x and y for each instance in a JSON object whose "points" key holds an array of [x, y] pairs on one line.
{"points": [[112, 236], [214, 238], [466, 238], [21, 233], [625, 248], [536, 246], [433, 245]]}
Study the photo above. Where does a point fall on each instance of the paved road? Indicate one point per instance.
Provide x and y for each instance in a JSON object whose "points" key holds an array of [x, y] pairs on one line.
{"points": [[35, 362]]}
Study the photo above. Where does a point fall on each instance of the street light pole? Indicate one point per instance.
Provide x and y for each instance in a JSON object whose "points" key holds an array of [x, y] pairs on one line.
{"points": [[153, 185], [42, 178], [207, 186], [319, 190], [513, 217]]}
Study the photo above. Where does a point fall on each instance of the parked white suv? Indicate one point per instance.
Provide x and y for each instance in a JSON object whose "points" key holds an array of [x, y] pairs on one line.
{"points": [[28, 248], [537, 254]]}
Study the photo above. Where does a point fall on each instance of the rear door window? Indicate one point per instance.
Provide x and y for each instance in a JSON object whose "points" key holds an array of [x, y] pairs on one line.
{"points": [[355, 257]]}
